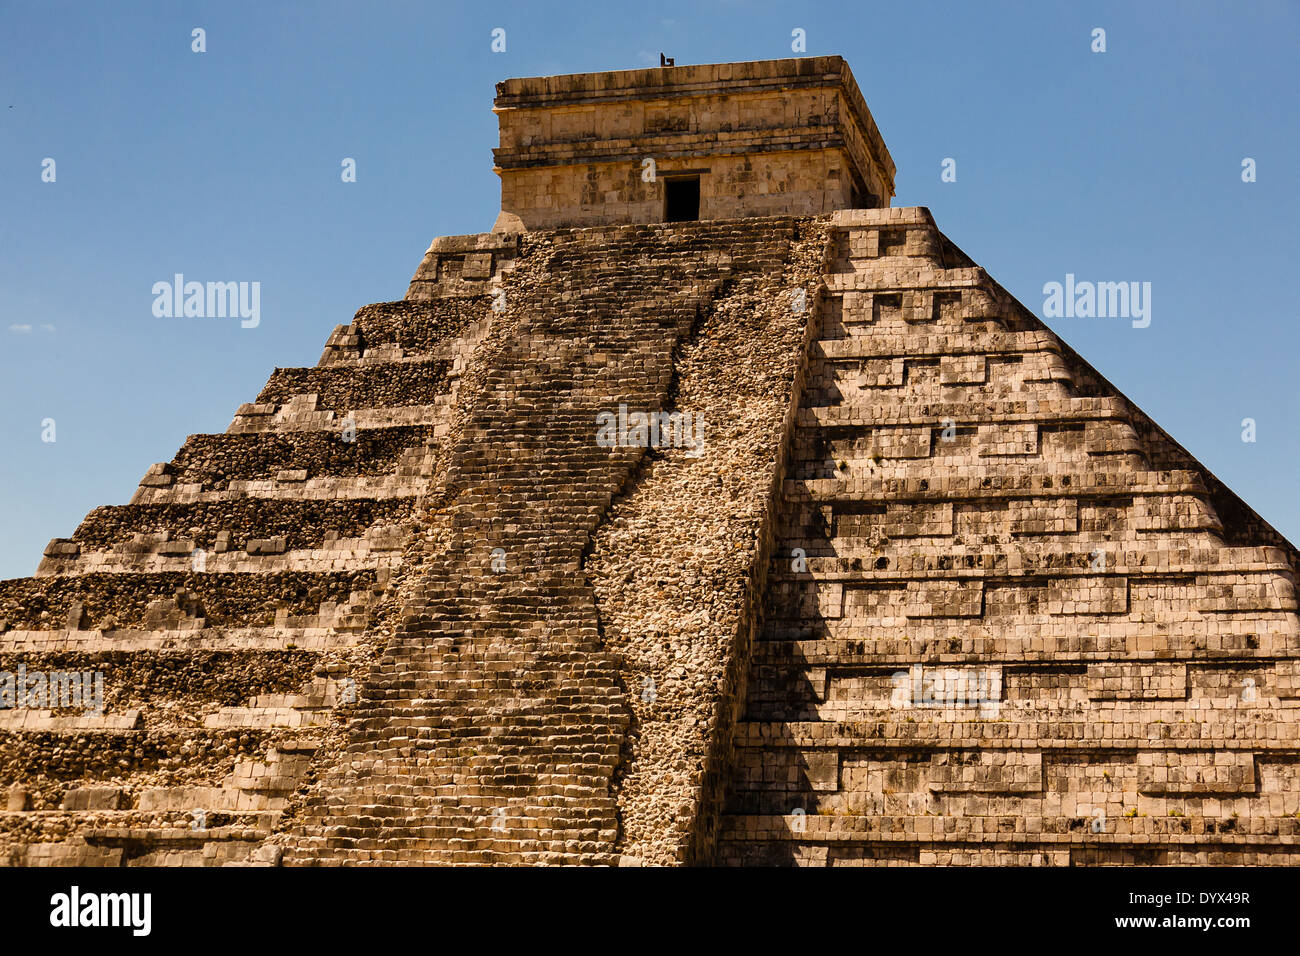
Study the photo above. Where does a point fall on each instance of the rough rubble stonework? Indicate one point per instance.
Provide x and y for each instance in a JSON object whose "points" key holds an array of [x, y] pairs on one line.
{"points": [[931, 591], [675, 565]]}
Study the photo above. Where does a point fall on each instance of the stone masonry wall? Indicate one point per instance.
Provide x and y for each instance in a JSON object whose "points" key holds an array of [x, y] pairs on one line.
{"points": [[808, 182], [1008, 620], [787, 137]]}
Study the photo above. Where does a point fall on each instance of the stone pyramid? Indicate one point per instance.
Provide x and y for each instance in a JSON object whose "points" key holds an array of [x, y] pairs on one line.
{"points": [[873, 569]]}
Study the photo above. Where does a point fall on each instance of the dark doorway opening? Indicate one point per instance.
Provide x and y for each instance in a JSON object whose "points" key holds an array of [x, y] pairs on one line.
{"points": [[682, 199], [859, 196]]}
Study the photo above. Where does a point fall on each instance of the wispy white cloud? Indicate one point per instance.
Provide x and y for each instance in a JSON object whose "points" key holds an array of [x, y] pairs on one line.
{"points": [[19, 328]]}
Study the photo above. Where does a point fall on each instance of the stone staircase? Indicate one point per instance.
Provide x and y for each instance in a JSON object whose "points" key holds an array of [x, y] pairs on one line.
{"points": [[497, 727]]}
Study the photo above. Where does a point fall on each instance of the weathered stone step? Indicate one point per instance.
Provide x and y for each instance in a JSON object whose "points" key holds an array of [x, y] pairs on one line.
{"points": [[264, 718], [342, 389], [80, 772], [1255, 639], [388, 330], [915, 278], [150, 601], [1121, 559], [920, 344], [990, 782], [381, 550], [998, 597], [216, 462], [218, 851], [33, 721], [176, 530], [64, 854], [159, 686], [411, 483], [920, 300], [234, 640], [786, 700], [457, 266], [1262, 730], [140, 815], [1006, 828], [256, 827], [1090, 637], [305, 417], [474, 850], [1010, 482], [965, 380], [1112, 524], [992, 412], [915, 451]]}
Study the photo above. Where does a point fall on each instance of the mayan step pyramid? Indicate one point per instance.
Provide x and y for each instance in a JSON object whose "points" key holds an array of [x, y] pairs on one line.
{"points": [[707, 510]]}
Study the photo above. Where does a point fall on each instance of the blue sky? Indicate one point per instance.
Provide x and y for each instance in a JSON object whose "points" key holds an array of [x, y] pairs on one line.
{"points": [[225, 165]]}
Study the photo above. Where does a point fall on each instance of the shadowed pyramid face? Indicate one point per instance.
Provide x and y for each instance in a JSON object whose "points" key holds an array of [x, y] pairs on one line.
{"points": [[993, 576]]}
